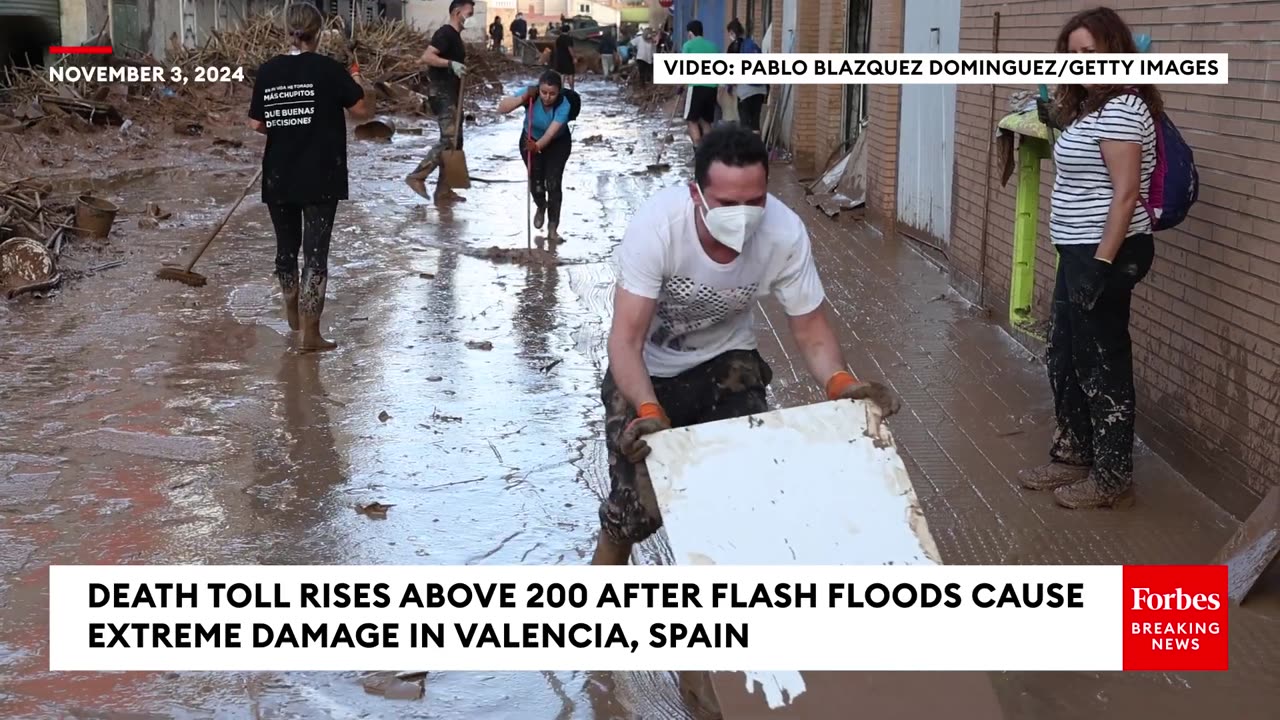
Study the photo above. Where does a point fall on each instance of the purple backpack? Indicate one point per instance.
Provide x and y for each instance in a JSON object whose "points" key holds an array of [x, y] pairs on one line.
{"points": [[1175, 183]]}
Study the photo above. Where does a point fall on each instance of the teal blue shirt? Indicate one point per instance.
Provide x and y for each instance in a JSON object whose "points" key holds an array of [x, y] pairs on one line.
{"points": [[544, 116]]}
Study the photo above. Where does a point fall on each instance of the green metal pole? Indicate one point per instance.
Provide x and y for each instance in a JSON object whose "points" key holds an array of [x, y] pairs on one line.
{"points": [[1027, 215]]}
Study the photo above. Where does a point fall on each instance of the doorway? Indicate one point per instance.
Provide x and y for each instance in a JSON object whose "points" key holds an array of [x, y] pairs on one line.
{"points": [[857, 39], [926, 135]]}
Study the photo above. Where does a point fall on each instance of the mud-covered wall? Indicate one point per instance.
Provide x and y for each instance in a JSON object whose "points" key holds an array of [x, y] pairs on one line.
{"points": [[1206, 321]]}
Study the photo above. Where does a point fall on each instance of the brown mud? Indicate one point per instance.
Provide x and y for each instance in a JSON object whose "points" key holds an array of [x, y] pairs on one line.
{"points": [[145, 421]]}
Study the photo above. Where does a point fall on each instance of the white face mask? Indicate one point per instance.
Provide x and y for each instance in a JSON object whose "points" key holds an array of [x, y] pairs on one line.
{"points": [[731, 225]]}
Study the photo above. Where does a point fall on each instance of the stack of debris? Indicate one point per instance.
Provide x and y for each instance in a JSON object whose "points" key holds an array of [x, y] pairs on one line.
{"points": [[842, 185], [389, 54], [28, 210], [32, 227]]}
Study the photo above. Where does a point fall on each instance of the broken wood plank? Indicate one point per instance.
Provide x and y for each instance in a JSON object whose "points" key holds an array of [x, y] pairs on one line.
{"points": [[1253, 548], [96, 111]]}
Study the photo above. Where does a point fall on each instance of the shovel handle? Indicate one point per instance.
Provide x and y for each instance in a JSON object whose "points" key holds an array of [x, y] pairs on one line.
{"points": [[457, 120], [223, 221]]}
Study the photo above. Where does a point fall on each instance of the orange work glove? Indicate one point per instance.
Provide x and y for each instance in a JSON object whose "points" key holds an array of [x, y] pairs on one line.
{"points": [[844, 386], [355, 68], [650, 419]]}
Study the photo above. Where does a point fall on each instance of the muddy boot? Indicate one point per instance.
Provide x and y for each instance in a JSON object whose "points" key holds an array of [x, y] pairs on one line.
{"points": [[445, 194], [417, 180], [310, 307], [1086, 495], [553, 234], [609, 552], [539, 217], [289, 291], [1052, 475]]}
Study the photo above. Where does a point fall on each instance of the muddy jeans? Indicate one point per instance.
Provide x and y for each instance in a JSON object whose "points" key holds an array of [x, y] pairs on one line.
{"points": [[1090, 363], [309, 228], [445, 108], [727, 386], [548, 174]]}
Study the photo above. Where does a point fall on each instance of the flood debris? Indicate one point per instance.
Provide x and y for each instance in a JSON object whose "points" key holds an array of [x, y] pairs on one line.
{"points": [[479, 345], [26, 266], [522, 256], [29, 209], [395, 686], [379, 129], [375, 510], [384, 416]]}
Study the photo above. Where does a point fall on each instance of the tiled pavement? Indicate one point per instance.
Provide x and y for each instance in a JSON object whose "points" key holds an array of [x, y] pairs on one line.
{"points": [[976, 409]]}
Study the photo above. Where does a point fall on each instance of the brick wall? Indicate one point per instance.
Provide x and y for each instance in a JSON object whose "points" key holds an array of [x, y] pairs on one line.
{"points": [[1206, 321], [883, 103]]}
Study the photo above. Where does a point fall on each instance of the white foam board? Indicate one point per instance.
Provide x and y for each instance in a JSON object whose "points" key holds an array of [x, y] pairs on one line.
{"points": [[805, 485]]}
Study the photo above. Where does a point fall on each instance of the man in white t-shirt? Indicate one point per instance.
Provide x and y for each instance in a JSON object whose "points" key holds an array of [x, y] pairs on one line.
{"points": [[695, 261]]}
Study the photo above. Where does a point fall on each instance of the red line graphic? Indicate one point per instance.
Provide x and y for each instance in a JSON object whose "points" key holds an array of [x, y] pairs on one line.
{"points": [[80, 50]]}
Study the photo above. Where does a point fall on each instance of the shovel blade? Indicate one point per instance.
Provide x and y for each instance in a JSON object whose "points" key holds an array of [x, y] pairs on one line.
{"points": [[453, 168]]}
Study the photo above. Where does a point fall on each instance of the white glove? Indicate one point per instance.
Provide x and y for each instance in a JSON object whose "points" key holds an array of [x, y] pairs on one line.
{"points": [[458, 68]]}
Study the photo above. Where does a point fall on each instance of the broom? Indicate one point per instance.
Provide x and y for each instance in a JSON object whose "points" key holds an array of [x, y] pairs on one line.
{"points": [[184, 274]]}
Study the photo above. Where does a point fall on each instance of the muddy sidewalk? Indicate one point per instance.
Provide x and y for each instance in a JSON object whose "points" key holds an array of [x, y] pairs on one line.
{"points": [[148, 422]]}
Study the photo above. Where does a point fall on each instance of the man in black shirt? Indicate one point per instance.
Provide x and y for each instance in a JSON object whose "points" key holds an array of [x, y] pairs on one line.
{"points": [[564, 59], [444, 59], [495, 33], [519, 31], [298, 103]]}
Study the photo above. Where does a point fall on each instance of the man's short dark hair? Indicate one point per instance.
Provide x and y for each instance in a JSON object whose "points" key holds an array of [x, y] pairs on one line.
{"points": [[733, 145], [695, 27], [736, 28], [460, 3]]}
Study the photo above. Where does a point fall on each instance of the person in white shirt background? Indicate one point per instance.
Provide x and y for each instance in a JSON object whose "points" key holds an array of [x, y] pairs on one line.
{"points": [[693, 264], [643, 42]]}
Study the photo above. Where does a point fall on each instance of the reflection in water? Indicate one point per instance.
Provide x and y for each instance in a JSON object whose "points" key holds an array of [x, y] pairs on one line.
{"points": [[535, 316], [299, 462]]}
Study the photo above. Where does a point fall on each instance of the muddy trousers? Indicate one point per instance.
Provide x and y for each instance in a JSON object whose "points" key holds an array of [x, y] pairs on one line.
{"points": [[548, 174], [445, 108], [727, 386], [1090, 359], [307, 228], [749, 111]]}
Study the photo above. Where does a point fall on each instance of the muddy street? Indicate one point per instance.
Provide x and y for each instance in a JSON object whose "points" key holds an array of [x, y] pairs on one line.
{"points": [[150, 422]]}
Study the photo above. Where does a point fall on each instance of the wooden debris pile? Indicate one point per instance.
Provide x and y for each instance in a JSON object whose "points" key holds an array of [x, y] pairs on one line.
{"points": [[389, 53], [28, 209]]}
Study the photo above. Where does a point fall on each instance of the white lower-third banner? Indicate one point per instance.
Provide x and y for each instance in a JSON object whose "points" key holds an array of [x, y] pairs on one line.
{"points": [[563, 618]]}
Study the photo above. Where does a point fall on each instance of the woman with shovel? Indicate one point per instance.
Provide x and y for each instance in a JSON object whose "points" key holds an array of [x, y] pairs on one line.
{"points": [[298, 103], [545, 144]]}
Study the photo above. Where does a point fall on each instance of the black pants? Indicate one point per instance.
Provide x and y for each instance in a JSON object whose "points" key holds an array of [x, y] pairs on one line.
{"points": [[1090, 359], [727, 386], [749, 111], [309, 228], [548, 173], [646, 71]]}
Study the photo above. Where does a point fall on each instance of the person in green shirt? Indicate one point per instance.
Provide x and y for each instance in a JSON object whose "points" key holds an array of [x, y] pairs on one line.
{"points": [[700, 100]]}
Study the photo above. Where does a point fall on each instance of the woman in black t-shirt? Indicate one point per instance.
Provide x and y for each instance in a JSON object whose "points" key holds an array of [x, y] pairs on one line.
{"points": [[298, 103]]}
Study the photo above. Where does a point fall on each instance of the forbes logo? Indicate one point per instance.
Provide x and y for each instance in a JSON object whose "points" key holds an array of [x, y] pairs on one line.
{"points": [[1145, 599], [1175, 618]]}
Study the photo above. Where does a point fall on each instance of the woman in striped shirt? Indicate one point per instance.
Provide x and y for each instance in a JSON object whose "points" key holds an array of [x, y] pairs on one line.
{"points": [[1104, 158]]}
